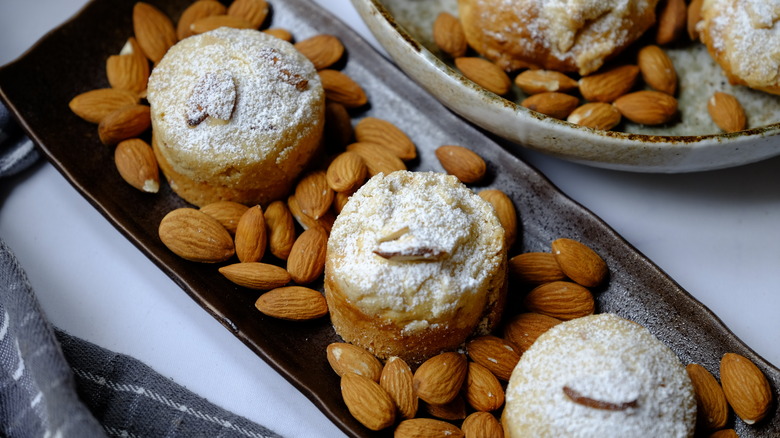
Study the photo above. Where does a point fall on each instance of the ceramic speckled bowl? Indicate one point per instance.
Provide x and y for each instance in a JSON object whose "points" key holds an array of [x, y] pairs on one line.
{"points": [[693, 143]]}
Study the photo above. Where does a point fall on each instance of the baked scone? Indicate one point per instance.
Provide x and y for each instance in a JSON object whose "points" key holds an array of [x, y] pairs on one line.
{"points": [[563, 35], [599, 376], [416, 263], [743, 36], [236, 115]]}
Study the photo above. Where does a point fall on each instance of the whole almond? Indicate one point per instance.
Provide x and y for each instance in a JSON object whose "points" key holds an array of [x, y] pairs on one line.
{"points": [[280, 229], [657, 69], [196, 11], [483, 390], [482, 425], [348, 358], [726, 111], [322, 50], [397, 380], [154, 31], [535, 268], [609, 85], [506, 212], [462, 162], [136, 163], [439, 379], [382, 132], [712, 410], [694, 17], [128, 71], [544, 81], [672, 22], [522, 330], [596, 115], [426, 428], [195, 236], [307, 222], [256, 275], [579, 262], [378, 159], [563, 300], [278, 32], [307, 256], [292, 303], [338, 125], [252, 11], [746, 388], [251, 238], [340, 200], [647, 107], [314, 195], [552, 104], [347, 172], [94, 105], [484, 73], [227, 213], [495, 354], [211, 22], [342, 89], [449, 36], [126, 122], [367, 401], [453, 411]]}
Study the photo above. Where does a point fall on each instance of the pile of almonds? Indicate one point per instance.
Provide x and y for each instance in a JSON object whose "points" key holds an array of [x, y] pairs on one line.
{"points": [[607, 96]]}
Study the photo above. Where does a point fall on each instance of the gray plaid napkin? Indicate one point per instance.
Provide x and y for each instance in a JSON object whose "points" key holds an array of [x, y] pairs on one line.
{"points": [[59, 386]]}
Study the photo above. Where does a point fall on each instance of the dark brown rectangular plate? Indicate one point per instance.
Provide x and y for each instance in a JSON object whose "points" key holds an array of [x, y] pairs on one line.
{"points": [[71, 60]]}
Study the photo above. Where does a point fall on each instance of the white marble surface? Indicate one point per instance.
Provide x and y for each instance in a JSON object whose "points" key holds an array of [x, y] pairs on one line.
{"points": [[716, 233]]}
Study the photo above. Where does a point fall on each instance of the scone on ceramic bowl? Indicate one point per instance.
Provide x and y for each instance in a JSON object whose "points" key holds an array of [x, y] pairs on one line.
{"points": [[599, 376], [236, 115], [742, 36], [571, 36], [416, 263]]}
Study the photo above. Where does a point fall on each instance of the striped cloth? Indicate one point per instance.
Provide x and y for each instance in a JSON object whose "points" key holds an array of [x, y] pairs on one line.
{"points": [[54, 385]]}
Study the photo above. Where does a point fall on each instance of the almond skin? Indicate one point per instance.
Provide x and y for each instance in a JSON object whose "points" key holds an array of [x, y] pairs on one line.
{"points": [[535, 268], [397, 380], [251, 238], [255, 275], [382, 132], [506, 212], [563, 300], [367, 401], [127, 122], [348, 358], [726, 111], [579, 262], [307, 256], [609, 85], [128, 71], [427, 428], [136, 163], [482, 425], [154, 31], [347, 172], [694, 16], [523, 329], [746, 388], [94, 105], [724, 433], [378, 159], [712, 410], [307, 222], [280, 229], [439, 379], [195, 236], [278, 32], [253, 12], [544, 81], [552, 104], [647, 107], [657, 69], [462, 162], [449, 36], [453, 411], [484, 73], [227, 213], [293, 303], [495, 354], [314, 195], [672, 22], [342, 89], [483, 389], [596, 115], [322, 50], [212, 22], [338, 125], [196, 11]]}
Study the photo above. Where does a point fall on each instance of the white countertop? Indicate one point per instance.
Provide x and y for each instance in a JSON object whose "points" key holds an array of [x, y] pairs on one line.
{"points": [[716, 233]]}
